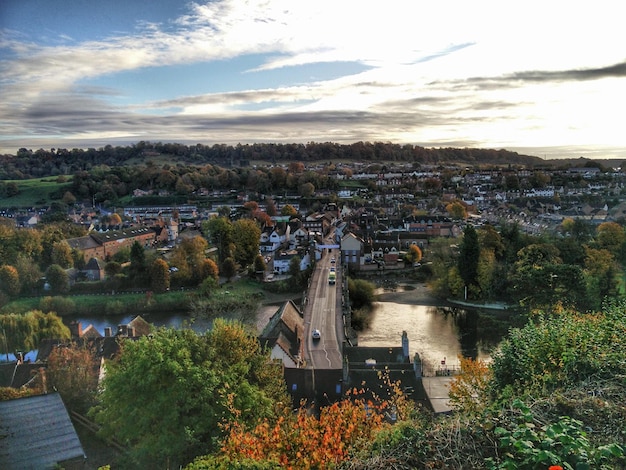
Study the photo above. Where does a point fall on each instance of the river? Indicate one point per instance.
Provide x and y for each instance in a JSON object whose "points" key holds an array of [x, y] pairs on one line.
{"points": [[437, 331]]}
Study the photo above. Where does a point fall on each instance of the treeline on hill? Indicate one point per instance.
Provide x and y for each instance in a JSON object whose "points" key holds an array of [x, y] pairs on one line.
{"points": [[42, 163]]}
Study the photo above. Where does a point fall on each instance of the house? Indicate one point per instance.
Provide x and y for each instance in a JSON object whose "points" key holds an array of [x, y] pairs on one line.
{"points": [[94, 270], [284, 335], [283, 260], [351, 249], [37, 433]]}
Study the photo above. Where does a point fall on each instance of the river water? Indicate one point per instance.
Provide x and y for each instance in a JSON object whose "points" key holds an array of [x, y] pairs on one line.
{"points": [[436, 332]]}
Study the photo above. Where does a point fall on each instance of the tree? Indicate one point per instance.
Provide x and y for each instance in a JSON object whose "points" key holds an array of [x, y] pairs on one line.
{"points": [[229, 268], [209, 270], [9, 280], [219, 230], [289, 210], [58, 279], [469, 254], [294, 266], [611, 236], [29, 272], [62, 254], [247, 238], [112, 268], [68, 198], [159, 276], [456, 210], [138, 266], [197, 383], [491, 240], [73, 370], [413, 255], [306, 190], [259, 264], [302, 440], [361, 292], [469, 389], [24, 332]]}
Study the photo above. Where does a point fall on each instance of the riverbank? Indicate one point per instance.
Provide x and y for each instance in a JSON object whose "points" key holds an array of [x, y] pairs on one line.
{"points": [[409, 293]]}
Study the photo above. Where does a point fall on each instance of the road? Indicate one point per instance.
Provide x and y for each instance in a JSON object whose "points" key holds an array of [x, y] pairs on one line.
{"points": [[323, 313]]}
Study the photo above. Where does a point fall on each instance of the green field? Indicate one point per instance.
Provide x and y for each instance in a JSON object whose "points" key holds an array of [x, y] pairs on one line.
{"points": [[36, 192]]}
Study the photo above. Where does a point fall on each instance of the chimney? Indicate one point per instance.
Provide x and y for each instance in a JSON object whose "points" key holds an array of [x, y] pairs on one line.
{"points": [[107, 331], [405, 344], [76, 329]]}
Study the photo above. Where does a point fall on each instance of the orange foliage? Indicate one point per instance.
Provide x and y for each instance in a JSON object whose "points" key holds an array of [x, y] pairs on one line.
{"points": [[305, 441], [468, 388]]}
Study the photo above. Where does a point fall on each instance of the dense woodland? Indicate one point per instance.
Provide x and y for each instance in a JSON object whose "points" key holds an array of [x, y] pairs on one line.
{"points": [[42, 163]]}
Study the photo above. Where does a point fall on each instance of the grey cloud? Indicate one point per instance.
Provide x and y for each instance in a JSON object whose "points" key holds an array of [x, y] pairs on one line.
{"points": [[535, 76]]}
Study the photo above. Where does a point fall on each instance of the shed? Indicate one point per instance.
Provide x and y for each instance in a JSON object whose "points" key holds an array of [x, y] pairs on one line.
{"points": [[37, 433]]}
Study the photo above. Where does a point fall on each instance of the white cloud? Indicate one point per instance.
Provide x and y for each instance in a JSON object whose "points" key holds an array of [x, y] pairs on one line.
{"points": [[452, 71]]}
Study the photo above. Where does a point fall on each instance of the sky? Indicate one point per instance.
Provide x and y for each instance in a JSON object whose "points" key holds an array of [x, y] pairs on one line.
{"points": [[543, 78]]}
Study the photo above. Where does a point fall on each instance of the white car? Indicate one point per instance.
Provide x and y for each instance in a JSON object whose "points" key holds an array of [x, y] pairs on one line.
{"points": [[316, 334]]}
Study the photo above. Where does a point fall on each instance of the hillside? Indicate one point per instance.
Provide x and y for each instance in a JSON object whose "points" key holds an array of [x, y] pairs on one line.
{"points": [[43, 163]]}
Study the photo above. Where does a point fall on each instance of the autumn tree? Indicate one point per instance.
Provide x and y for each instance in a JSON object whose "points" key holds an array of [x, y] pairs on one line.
{"points": [[288, 210], [168, 411], [209, 270], [304, 440], [456, 210], [62, 254], [413, 255], [9, 280], [611, 236], [73, 370], [159, 276], [469, 389]]}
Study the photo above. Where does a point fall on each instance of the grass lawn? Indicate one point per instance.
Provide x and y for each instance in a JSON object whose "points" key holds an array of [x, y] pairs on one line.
{"points": [[35, 192]]}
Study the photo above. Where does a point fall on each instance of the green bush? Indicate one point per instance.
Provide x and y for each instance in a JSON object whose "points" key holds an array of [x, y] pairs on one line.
{"points": [[527, 445], [61, 305]]}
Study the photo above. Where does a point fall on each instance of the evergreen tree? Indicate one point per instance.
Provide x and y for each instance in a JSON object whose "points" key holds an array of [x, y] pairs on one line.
{"points": [[469, 254]]}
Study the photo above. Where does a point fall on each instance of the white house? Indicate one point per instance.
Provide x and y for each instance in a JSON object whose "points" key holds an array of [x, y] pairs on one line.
{"points": [[351, 248]]}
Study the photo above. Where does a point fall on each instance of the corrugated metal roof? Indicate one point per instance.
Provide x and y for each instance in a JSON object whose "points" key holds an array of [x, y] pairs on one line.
{"points": [[37, 433]]}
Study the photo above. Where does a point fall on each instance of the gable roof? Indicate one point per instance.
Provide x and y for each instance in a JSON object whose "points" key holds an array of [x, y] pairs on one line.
{"points": [[94, 264], [285, 329], [37, 433]]}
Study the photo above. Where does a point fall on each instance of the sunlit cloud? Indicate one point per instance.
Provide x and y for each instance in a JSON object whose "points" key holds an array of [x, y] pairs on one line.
{"points": [[518, 75]]}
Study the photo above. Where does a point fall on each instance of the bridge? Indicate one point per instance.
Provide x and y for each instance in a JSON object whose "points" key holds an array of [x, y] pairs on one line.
{"points": [[322, 379]]}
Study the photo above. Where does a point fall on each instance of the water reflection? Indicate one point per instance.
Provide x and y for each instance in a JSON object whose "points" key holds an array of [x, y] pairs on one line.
{"points": [[436, 333]]}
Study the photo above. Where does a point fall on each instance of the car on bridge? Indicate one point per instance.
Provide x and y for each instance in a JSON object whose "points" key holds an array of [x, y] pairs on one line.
{"points": [[316, 334]]}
